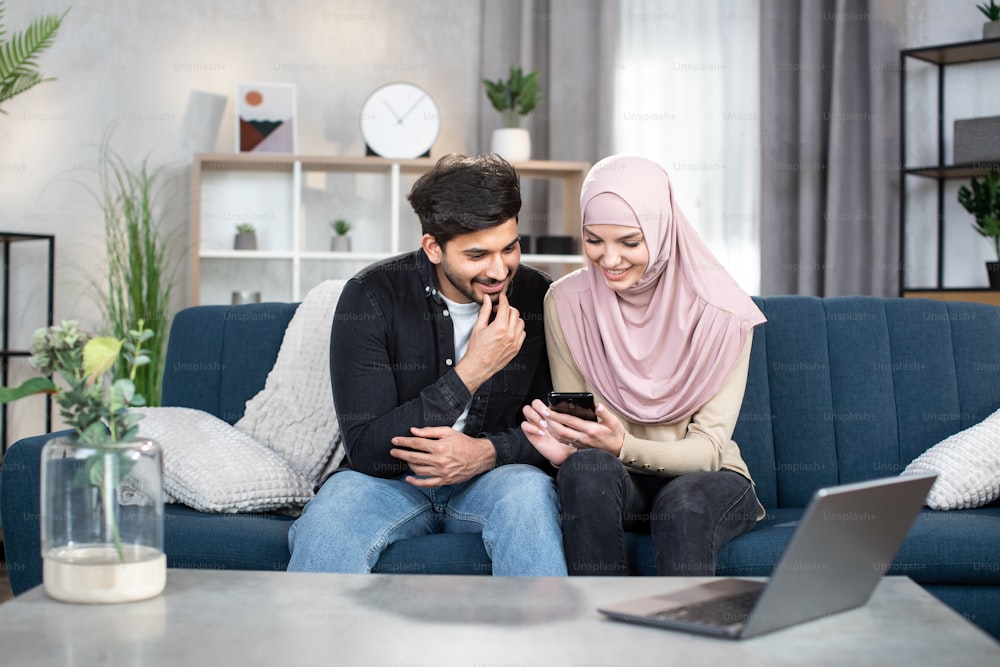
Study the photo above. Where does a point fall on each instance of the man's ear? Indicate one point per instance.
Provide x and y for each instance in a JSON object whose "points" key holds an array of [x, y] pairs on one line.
{"points": [[432, 249]]}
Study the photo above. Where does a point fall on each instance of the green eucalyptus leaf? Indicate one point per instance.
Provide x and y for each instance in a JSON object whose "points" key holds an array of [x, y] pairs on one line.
{"points": [[28, 388], [94, 434], [124, 388]]}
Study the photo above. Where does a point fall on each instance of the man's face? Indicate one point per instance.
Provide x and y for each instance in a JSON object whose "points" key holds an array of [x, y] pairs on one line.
{"points": [[477, 265]]}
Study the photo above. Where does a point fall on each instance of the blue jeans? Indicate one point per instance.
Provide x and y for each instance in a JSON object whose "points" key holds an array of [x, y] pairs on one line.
{"points": [[354, 517], [690, 517]]}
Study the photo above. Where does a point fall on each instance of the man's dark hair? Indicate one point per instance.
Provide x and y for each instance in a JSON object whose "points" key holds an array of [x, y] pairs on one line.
{"points": [[463, 194]]}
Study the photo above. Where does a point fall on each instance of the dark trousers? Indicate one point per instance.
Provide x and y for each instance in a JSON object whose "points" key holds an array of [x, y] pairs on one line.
{"points": [[690, 517]]}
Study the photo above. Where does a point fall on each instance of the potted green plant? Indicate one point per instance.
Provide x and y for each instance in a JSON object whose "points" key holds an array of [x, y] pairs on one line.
{"points": [[991, 29], [514, 97], [102, 487], [341, 240], [246, 237], [18, 55], [982, 200], [142, 263]]}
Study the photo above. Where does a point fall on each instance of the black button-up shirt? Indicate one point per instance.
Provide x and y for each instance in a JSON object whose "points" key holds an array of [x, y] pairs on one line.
{"points": [[392, 364]]}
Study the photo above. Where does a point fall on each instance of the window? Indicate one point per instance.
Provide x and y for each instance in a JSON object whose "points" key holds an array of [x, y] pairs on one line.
{"points": [[687, 84]]}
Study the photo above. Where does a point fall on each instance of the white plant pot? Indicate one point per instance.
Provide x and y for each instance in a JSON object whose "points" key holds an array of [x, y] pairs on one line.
{"points": [[991, 30], [512, 144], [340, 243]]}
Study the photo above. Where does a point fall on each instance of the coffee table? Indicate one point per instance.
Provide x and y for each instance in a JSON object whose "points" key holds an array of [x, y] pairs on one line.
{"points": [[207, 617]]}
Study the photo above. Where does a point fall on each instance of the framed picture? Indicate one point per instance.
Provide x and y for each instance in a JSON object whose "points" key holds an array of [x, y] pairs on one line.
{"points": [[265, 118]]}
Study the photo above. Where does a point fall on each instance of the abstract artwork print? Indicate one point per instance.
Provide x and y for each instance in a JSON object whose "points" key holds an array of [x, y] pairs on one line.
{"points": [[266, 114]]}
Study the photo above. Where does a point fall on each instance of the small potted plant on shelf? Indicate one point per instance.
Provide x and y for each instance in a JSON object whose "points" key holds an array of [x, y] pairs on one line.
{"points": [[991, 29], [983, 202], [246, 237], [514, 97], [340, 241]]}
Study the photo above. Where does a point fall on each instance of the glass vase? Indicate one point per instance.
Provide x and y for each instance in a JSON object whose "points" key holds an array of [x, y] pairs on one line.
{"points": [[102, 521]]}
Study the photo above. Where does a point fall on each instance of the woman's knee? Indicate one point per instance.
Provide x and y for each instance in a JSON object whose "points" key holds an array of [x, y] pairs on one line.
{"points": [[590, 464], [591, 478]]}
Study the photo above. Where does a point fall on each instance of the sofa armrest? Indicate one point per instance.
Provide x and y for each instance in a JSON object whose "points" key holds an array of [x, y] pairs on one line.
{"points": [[20, 489]]}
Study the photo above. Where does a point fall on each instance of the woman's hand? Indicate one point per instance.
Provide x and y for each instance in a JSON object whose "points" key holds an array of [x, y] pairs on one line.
{"points": [[607, 433], [538, 435]]}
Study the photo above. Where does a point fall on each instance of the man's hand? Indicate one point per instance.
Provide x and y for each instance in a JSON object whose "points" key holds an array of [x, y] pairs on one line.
{"points": [[443, 455], [492, 345]]}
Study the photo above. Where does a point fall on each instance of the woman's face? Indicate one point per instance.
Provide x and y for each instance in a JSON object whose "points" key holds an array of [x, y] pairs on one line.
{"points": [[619, 252]]}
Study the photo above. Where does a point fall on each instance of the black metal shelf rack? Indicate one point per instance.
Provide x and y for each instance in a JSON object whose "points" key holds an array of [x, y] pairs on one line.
{"points": [[6, 353], [942, 55]]}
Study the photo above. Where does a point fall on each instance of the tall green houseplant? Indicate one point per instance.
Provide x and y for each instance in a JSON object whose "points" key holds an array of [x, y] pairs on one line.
{"points": [[141, 266], [19, 55]]}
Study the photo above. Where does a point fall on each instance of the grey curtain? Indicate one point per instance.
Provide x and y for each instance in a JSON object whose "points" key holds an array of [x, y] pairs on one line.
{"points": [[830, 146], [572, 44]]}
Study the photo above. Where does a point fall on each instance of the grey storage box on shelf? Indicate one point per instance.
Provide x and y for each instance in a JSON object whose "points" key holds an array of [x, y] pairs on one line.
{"points": [[977, 140]]}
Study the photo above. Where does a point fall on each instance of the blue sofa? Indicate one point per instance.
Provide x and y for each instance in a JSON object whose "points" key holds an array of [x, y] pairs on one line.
{"points": [[840, 390]]}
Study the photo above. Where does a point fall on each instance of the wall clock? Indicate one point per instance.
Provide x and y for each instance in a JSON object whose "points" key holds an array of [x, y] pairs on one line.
{"points": [[400, 120]]}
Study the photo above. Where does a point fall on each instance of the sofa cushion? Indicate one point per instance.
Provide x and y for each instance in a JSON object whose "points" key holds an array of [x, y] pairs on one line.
{"points": [[197, 540], [967, 465], [953, 549], [294, 413], [957, 547], [218, 357], [846, 389], [214, 467], [442, 553]]}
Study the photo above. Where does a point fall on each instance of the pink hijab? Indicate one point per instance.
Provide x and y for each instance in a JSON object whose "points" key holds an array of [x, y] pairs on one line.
{"points": [[660, 350]]}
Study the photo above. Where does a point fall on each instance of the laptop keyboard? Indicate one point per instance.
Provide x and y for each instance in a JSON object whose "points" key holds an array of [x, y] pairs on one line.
{"points": [[729, 610]]}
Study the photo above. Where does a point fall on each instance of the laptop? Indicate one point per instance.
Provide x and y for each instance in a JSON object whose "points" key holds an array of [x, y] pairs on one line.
{"points": [[844, 543]]}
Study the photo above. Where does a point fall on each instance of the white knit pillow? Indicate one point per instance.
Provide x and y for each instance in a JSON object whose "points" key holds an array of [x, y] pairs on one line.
{"points": [[213, 467], [293, 414], [967, 465]]}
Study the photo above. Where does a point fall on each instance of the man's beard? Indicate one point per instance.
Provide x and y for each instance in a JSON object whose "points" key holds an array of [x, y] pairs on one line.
{"points": [[467, 289]]}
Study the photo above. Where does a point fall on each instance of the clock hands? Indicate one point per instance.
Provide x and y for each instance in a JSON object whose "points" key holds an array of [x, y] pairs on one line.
{"points": [[412, 107], [399, 121]]}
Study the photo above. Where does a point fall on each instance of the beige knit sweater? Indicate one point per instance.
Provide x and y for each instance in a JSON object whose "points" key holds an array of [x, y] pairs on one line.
{"points": [[702, 442]]}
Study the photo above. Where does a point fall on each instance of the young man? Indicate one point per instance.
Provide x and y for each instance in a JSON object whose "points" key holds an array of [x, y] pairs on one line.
{"points": [[433, 354]]}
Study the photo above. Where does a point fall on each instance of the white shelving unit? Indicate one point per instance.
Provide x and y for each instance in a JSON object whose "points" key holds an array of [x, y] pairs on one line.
{"points": [[290, 199]]}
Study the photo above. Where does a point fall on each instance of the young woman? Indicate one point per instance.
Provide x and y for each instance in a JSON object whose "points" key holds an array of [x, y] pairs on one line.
{"points": [[660, 333]]}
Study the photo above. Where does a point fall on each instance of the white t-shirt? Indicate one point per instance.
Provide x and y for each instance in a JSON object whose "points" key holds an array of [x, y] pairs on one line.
{"points": [[463, 319]]}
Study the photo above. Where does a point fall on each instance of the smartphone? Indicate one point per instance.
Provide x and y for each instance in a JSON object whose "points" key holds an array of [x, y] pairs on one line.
{"points": [[577, 403]]}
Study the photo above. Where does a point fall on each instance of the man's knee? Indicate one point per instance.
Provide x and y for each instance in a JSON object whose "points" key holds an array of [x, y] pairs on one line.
{"points": [[524, 483]]}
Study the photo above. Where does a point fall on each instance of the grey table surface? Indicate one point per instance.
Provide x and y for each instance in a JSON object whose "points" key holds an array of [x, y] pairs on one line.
{"points": [[208, 617]]}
